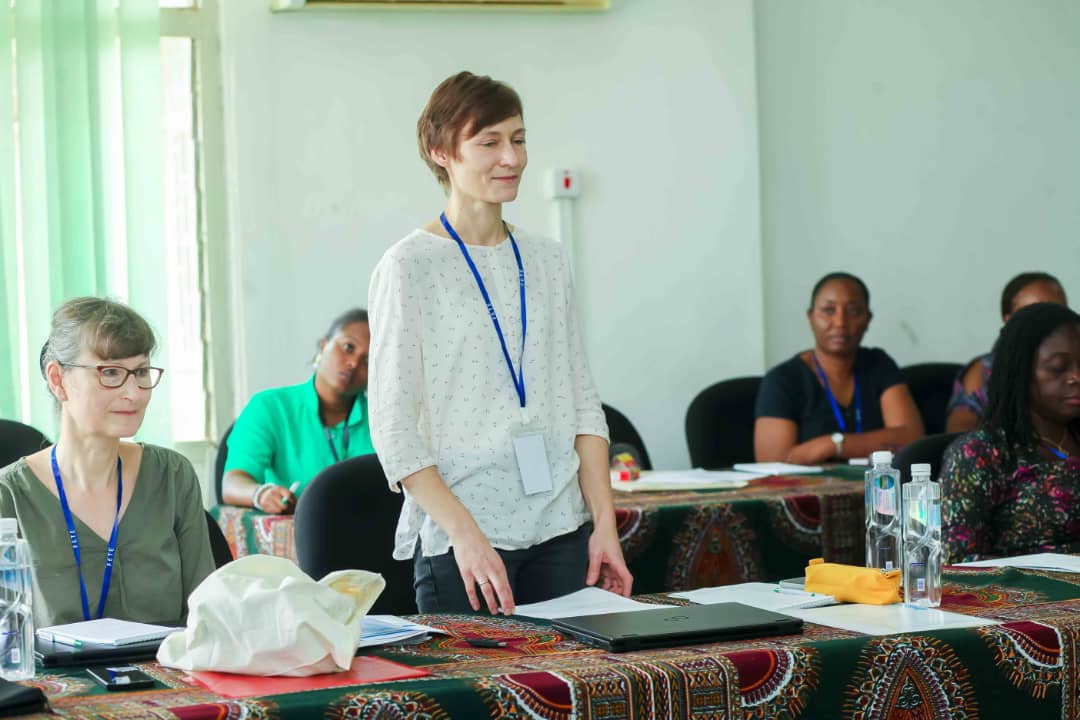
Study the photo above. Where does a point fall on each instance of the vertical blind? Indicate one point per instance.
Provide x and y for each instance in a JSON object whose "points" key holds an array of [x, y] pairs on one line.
{"points": [[81, 201]]}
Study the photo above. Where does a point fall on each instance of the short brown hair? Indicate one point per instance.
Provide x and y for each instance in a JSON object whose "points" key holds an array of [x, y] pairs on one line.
{"points": [[109, 329], [462, 105]]}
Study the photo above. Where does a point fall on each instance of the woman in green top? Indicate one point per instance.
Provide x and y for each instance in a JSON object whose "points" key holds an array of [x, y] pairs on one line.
{"points": [[90, 497], [285, 436]]}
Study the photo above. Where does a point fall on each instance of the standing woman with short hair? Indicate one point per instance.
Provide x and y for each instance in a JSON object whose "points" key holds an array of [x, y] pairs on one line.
{"points": [[115, 529], [482, 404]]}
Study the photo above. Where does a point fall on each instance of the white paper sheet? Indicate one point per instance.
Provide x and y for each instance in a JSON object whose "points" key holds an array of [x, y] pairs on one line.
{"points": [[1039, 561], [887, 619], [392, 630], [777, 468], [660, 480], [589, 601], [767, 596]]}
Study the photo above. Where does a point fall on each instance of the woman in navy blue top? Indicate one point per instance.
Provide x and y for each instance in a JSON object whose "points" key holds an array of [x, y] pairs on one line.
{"points": [[837, 400]]}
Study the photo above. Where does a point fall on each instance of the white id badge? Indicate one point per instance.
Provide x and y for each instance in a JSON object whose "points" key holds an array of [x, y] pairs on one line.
{"points": [[532, 459]]}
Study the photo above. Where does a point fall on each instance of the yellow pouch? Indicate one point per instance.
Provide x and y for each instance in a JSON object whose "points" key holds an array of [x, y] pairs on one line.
{"points": [[848, 583]]}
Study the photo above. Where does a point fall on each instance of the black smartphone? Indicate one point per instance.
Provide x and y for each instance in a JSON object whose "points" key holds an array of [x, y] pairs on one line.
{"points": [[120, 677]]}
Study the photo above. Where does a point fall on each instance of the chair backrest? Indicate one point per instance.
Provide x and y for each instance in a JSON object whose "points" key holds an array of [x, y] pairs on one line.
{"points": [[17, 440], [929, 449], [931, 385], [219, 463], [621, 430], [219, 546], [720, 423], [345, 520]]}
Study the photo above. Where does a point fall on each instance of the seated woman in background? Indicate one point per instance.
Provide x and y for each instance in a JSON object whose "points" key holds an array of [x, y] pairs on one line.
{"points": [[286, 436], [838, 400], [1013, 486], [968, 399], [115, 529]]}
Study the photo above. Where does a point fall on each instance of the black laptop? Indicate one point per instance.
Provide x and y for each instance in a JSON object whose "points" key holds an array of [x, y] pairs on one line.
{"points": [[53, 654], [669, 626]]}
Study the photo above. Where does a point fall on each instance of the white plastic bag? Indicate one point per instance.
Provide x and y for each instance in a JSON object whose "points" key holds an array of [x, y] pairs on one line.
{"points": [[261, 615]]}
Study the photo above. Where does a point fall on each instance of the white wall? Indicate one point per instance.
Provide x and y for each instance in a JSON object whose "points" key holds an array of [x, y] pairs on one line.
{"points": [[655, 103], [928, 146]]}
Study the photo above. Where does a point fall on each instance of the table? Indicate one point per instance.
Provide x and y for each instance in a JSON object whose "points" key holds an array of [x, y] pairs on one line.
{"points": [[682, 540], [1025, 668]]}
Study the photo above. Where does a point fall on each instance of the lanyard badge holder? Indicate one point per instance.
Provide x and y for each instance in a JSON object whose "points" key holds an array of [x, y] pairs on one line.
{"points": [[110, 552], [528, 437], [857, 400]]}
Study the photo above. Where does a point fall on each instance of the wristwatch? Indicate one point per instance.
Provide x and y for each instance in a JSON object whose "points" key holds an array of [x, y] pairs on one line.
{"points": [[838, 441]]}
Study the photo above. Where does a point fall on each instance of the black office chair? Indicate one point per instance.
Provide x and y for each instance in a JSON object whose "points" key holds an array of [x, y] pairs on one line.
{"points": [[219, 463], [931, 385], [622, 431], [720, 423], [18, 440], [219, 546], [930, 449], [345, 520]]}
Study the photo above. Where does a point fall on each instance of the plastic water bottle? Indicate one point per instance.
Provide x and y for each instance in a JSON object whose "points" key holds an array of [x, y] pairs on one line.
{"points": [[883, 542], [16, 612], [922, 539]]}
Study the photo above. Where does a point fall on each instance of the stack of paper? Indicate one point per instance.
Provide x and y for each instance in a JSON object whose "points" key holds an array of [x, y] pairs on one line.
{"points": [[777, 468], [887, 619], [660, 480], [767, 596], [392, 630], [106, 631], [588, 601], [1055, 562]]}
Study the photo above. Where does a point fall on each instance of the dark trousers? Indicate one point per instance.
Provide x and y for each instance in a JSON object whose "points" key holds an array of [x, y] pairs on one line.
{"points": [[552, 568]]}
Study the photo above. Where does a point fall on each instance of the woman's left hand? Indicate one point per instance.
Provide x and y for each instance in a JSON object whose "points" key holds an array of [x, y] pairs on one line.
{"points": [[607, 568]]}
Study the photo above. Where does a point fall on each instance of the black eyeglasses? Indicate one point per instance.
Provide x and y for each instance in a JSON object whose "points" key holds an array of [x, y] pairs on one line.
{"points": [[114, 376]]}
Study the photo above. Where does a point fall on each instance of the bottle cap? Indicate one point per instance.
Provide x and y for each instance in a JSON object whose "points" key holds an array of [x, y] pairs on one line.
{"points": [[920, 469], [881, 457], [9, 526]]}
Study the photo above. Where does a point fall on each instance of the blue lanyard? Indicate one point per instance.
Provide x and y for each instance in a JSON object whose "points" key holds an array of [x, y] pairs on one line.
{"points": [[832, 399], [1058, 453], [344, 441], [110, 553], [518, 378]]}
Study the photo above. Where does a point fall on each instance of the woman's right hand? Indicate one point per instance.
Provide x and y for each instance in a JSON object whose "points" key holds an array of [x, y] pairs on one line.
{"points": [[274, 499], [484, 574]]}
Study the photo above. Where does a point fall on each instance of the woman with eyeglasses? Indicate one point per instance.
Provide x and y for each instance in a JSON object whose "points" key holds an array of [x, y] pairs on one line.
{"points": [[287, 435], [115, 529]]}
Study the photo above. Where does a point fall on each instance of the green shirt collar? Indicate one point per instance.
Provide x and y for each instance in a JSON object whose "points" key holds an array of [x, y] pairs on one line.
{"points": [[356, 416]]}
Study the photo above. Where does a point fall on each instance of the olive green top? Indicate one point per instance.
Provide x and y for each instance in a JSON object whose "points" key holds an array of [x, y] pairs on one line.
{"points": [[162, 545]]}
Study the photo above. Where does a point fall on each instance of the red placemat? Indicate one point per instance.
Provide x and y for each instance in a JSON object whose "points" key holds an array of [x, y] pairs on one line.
{"points": [[363, 670]]}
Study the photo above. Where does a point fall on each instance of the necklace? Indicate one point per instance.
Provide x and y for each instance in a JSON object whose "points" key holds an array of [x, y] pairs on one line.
{"points": [[1056, 448]]}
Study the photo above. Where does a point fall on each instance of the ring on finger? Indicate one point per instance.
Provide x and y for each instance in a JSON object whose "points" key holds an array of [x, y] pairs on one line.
{"points": [[484, 582]]}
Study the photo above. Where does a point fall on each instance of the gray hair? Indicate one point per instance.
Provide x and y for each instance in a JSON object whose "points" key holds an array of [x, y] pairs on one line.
{"points": [[109, 329]]}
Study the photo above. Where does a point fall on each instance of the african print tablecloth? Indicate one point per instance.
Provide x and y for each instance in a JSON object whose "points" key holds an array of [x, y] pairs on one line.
{"points": [[682, 540], [1025, 668]]}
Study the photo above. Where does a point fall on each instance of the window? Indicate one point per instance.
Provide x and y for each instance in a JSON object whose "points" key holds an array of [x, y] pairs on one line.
{"points": [[194, 220]]}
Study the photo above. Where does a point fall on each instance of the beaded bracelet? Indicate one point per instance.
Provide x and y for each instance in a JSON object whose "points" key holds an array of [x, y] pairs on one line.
{"points": [[257, 495]]}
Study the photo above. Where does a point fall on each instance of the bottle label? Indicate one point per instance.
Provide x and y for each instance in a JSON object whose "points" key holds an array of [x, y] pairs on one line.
{"points": [[884, 497], [920, 585]]}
